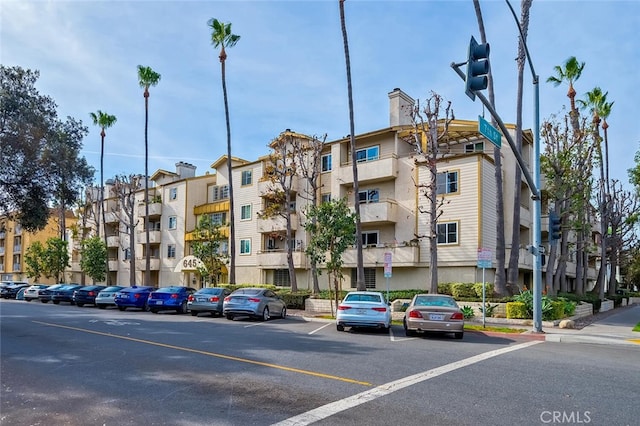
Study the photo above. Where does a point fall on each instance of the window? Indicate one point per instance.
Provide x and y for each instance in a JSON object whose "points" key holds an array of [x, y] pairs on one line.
{"points": [[173, 222], [474, 147], [292, 207], [447, 182], [448, 233], [281, 278], [171, 251], [219, 192], [173, 193], [326, 163], [245, 246], [245, 212], [368, 154], [224, 247], [369, 277], [370, 238], [219, 218], [246, 177], [127, 254], [369, 196], [325, 198]]}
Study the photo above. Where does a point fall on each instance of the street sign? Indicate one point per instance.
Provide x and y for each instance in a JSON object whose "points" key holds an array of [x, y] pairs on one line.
{"points": [[489, 132], [387, 264], [485, 257]]}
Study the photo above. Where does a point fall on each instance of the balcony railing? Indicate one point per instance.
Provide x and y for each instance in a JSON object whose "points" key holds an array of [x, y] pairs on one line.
{"points": [[385, 168], [276, 223], [155, 209], [154, 237], [141, 263], [278, 259], [374, 255], [111, 217], [113, 241], [266, 186], [378, 213]]}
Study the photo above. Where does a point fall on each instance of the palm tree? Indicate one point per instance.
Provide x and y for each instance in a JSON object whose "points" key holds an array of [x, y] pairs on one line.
{"points": [[104, 121], [570, 73], [147, 78], [360, 284], [222, 37]]}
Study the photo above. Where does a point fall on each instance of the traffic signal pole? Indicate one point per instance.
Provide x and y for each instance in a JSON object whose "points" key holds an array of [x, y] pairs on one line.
{"points": [[532, 181]]}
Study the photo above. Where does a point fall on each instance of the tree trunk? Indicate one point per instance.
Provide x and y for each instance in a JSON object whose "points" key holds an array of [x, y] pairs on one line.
{"points": [[147, 269], [232, 221]]}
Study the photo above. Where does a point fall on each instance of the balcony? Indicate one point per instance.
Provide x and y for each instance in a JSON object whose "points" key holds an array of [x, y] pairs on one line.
{"points": [[266, 185], [378, 213], [155, 209], [113, 264], [374, 256], [141, 263], [154, 237], [75, 266], [276, 224], [277, 259], [113, 241], [111, 217], [379, 170]]}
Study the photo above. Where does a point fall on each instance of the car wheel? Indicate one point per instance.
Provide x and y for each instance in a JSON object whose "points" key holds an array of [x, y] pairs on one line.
{"points": [[458, 335], [44, 301], [154, 311], [102, 307], [265, 314], [229, 317], [79, 305], [56, 302], [183, 308], [339, 327], [122, 308], [28, 300], [194, 313], [283, 312]]}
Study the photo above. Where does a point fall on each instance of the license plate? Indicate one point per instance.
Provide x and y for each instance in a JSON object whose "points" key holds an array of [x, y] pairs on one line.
{"points": [[201, 299], [158, 302], [436, 317], [362, 311]]}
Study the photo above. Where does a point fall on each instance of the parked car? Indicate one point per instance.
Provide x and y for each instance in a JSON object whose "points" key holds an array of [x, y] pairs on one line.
{"points": [[210, 299], [254, 302], [106, 296], [46, 294], [363, 309], [433, 312], [133, 297], [173, 298], [87, 295], [10, 290], [64, 294], [33, 291]]}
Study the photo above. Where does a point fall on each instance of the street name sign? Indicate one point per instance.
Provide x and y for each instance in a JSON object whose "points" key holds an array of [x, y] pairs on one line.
{"points": [[489, 132]]}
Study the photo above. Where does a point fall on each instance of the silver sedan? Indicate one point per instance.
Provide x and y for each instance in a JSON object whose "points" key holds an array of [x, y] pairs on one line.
{"points": [[208, 299], [254, 302]]}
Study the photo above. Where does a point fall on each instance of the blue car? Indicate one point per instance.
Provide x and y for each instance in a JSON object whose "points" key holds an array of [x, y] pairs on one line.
{"points": [[133, 297], [87, 295], [170, 298], [64, 294]]}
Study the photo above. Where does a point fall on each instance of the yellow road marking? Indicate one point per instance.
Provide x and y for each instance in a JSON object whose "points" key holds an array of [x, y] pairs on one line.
{"points": [[637, 341], [213, 354]]}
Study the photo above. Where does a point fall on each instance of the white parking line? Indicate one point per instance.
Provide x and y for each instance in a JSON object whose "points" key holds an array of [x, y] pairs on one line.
{"points": [[330, 409], [318, 329], [402, 339]]}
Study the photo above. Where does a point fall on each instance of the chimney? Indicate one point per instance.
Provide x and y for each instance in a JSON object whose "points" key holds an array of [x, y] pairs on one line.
{"points": [[185, 170], [400, 106]]}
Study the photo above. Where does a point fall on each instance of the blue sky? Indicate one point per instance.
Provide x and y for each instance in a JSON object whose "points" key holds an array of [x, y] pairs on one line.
{"points": [[288, 70]]}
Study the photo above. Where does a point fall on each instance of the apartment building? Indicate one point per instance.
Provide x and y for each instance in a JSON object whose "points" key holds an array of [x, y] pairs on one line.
{"points": [[14, 242]]}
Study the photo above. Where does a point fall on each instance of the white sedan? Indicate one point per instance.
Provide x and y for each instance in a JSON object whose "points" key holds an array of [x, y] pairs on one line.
{"points": [[364, 309]]}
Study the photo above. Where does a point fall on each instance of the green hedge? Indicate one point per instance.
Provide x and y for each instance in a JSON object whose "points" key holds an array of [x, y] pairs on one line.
{"points": [[444, 288], [517, 310], [557, 311], [463, 290], [488, 289]]}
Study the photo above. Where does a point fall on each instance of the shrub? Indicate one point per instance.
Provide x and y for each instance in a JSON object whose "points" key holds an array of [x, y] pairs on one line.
{"points": [[488, 309], [555, 312], [444, 288], [294, 300], [462, 290], [617, 299], [517, 310], [477, 288]]}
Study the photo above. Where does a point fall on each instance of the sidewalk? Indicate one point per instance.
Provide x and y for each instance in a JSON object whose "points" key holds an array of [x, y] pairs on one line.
{"points": [[616, 328]]}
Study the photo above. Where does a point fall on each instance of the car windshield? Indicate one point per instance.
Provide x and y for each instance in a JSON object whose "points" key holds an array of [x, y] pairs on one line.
{"points": [[169, 290], [363, 298], [112, 289], [436, 301], [247, 291], [209, 291]]}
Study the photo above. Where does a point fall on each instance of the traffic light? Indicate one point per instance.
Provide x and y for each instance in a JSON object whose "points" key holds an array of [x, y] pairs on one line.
{"points": [[477, 68], [554, 226]]}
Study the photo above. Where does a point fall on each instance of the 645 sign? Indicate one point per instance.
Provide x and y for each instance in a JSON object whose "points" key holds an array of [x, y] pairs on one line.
{"points": [[189, 264]]}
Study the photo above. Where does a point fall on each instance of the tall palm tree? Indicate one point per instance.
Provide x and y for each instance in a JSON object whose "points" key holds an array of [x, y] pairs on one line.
{"points": [[147, 78], [570, 73], [104, 121], [360, 284], [222, 37]]}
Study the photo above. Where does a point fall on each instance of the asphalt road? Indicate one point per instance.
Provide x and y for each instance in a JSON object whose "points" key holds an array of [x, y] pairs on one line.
{"points": [[64, 365]]}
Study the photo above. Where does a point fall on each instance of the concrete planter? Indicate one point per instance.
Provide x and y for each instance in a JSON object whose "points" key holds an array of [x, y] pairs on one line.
{"points": [[633, 300], [607, 305]]}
